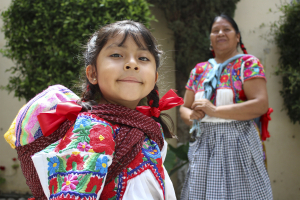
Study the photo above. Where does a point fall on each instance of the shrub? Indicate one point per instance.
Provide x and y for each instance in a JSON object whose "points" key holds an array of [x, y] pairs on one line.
{"points": [[44, 38], [287, 38]]}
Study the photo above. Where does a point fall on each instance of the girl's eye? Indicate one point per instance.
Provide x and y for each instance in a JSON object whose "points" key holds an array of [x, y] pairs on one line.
{"points": [[143, 59], [116, 55]]}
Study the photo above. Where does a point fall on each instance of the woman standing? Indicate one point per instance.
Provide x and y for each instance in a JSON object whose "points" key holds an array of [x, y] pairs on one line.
{"points": [[223, 95]]}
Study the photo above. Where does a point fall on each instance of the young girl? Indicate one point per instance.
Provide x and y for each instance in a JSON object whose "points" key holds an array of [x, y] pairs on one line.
{"points": [[114, 150]]}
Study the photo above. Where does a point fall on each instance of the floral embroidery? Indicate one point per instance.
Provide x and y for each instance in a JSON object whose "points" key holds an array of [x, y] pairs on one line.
{"points": [[75, 161], [101, 164], [248, 72], [230, 77], [53, 164], [94, 185], [106, 145], [83, 146], [70, 182], [238, 85], [224, 79], [64, 141], [101, 137], [53, 186]]}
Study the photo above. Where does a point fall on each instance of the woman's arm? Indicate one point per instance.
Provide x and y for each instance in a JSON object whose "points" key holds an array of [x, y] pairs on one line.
{"points": [[257, 104], [185, 110]]}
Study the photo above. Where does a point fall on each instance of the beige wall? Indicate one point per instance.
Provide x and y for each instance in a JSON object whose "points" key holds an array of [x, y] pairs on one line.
{"points": [[283, 147], [9, 107]]}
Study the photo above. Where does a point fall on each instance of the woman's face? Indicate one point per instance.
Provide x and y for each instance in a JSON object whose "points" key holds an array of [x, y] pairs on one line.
{"points": [[223, 36]]}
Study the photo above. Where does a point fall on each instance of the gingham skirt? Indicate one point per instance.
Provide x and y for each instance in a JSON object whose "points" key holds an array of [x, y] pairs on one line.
{"points": [[226, 162]]}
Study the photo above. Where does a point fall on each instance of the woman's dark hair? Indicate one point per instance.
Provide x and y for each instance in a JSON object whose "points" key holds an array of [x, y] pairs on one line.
{"points": [[95, 44], [234, 25]]}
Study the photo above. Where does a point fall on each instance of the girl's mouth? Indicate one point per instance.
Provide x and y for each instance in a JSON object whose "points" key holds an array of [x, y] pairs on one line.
{"points": [[130, 80]]}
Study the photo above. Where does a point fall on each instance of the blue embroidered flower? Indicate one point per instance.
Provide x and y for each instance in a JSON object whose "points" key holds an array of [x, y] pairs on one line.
{"points": [[101, 164], [256, 70], [53, 165], [81, 121]]}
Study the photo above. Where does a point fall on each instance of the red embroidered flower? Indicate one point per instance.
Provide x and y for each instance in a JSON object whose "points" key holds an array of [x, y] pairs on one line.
{"points": [[247, 73], [94, 181], [53, 186], [75, 158], [199, 70], [248, 63], [63, 143], [102, 139], [224, 78], [236, 65], [242, 95]]}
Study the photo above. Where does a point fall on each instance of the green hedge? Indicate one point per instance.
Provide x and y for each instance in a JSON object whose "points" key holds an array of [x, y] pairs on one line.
{"points": [[287, 38], [45, 37]]}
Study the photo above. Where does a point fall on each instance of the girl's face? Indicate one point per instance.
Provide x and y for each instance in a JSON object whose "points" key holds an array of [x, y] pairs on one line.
{"points": [[125, 73], [223, 36]]}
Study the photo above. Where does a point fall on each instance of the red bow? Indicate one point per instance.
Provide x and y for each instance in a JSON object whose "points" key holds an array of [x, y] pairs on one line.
{"points": [[51, 120], [168, 101], [264, 124]]}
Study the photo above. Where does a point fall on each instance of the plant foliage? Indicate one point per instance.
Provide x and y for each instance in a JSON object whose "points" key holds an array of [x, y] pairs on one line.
{"points": [[190, 21], [287, 38], [44, 38]]}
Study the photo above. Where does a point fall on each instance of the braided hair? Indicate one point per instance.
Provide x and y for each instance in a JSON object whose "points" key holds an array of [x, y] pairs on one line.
{"points": [[236, 28], [91, 93]]}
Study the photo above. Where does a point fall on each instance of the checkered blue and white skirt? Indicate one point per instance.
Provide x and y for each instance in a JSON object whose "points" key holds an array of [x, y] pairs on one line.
{"points": [[226, 162]]}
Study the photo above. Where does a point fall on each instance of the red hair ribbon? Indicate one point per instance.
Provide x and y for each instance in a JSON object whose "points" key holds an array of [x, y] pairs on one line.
{"points": [[264, 124], [51, 120], [168, 101]]}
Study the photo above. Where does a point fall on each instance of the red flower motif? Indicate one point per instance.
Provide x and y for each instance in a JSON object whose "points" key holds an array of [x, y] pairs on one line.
{"points": [[14, 159], [75, 158], [242, 95], [2, 168], [247, 73], [224, 78], [236, 65], [199, 70], [101, 139], [63, 143], [94, 181], [53, 184]]}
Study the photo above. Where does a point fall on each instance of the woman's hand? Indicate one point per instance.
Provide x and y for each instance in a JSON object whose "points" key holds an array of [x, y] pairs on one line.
{"points": [[197, 114], [204, 106]]}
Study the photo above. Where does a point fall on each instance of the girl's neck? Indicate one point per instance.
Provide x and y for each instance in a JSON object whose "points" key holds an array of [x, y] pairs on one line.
{"points": [[130, 105], [223, 56]]}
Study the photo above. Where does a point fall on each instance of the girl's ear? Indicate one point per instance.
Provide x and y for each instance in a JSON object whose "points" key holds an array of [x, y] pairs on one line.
{"points": [[156, 77], [238, 36], [91, 74]]}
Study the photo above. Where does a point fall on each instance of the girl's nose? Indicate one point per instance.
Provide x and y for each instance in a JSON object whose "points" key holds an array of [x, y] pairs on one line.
{"points": [[131, 65]]}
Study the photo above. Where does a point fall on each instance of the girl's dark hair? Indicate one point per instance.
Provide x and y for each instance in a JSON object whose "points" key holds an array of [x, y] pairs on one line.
{"points": [[141, 35], [234, 25]]}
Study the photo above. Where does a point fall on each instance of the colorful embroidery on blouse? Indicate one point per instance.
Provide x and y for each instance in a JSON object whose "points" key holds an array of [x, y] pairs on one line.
{"points": [[78, 163], [148, 158], [231, 77]]}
